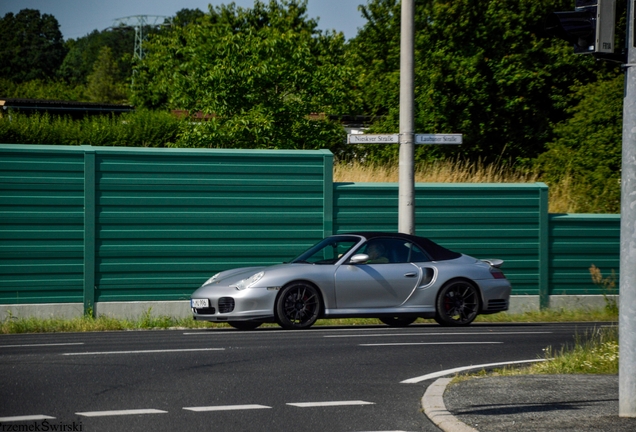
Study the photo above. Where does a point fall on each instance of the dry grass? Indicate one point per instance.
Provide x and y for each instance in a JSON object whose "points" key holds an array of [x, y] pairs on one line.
{"points": [[559, 200], [434, 172]]}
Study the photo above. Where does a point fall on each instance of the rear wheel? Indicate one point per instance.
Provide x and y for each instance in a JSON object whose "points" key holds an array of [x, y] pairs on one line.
{"points": [[398, 321], [244, 325], [457, 304], [298, 306]]}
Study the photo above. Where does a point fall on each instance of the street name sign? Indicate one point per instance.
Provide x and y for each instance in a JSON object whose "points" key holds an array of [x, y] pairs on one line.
{"points": [[435, 139], [438, 138], [373, 139]]}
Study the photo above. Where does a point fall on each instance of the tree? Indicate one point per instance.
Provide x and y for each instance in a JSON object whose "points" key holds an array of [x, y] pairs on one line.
{"points": [[483, 69], [102, 84], [31, 46], [587, 149], [259, 72], [83, 53], [186, 16]]}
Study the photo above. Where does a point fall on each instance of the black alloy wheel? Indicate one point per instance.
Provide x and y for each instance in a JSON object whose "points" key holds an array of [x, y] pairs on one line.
{"points": [[457, 304], [298, 306], [398, 321]]}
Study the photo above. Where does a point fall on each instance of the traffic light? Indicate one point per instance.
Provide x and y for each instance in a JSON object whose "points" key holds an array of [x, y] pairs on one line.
{"points": [[590, 27]]}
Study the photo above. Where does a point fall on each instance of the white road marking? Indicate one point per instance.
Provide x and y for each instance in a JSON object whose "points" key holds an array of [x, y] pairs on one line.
{"points": [[226, 408], [120, 412], [25, 418], [41, 345], [462, 369], [216, 333], [432, 343], [432, 334], [143, 351], [329, 404]]}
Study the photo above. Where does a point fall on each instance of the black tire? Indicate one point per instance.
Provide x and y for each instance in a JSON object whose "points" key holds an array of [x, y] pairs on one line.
{"points": [[398, 321], [244, 325], [457, 304], [298, 306]]}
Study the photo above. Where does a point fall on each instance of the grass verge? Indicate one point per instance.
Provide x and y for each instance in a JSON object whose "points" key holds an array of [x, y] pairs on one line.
{"points": [[148, 321], [595, 352]]}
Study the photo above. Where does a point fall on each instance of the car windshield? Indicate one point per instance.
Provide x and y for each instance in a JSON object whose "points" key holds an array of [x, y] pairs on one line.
{"points": [[328, 251]]}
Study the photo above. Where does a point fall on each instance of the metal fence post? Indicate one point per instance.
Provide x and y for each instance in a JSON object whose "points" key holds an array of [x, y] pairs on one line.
{"points": [[544, 248], [89, 231]]}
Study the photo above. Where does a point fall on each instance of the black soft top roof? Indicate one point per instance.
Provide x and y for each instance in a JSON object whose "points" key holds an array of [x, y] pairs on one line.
{"points": [[435, 251]]}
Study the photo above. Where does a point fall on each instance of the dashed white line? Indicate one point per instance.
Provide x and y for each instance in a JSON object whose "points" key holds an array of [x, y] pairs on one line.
{"points": [[226, 408], [41, 345], [329, 404], [120, 412], [25, 418], [433, 334], [142, 351], [113, 413], [432, 343]]}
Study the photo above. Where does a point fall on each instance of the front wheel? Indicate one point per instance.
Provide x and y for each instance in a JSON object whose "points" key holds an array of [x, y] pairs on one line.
{"points": [[457, 304], [244, 325], [298, 306], [398, 321]]}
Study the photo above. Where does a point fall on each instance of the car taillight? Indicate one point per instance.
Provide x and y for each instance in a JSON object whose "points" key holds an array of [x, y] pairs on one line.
{"points": [[496, 273]]}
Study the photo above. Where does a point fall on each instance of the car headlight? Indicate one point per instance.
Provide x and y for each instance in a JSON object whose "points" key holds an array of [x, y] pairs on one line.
{"points": [[212, 279], [246, 283]]}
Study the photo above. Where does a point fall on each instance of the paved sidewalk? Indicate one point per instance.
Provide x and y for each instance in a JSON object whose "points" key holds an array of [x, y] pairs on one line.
{"points": [[527, 403]]}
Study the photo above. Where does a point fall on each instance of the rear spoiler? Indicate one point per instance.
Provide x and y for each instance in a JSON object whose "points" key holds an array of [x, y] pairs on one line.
{"points": [[494, 262]]}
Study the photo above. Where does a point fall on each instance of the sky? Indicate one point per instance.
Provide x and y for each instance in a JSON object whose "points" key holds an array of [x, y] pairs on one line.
{"points": [[77, 18]]}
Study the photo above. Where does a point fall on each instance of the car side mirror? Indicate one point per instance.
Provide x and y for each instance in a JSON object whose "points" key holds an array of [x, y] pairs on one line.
{"points": [[359, 258]]}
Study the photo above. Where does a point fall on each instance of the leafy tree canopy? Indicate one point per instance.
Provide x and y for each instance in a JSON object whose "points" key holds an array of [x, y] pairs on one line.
{"points": [[102, 85], [261, 73], [83, 53], [185, 17], [483, 69], [31, 46], [586, 150]]}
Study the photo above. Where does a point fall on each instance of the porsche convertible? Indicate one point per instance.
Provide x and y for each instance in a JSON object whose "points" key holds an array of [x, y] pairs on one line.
{"points": [[394, 277]]}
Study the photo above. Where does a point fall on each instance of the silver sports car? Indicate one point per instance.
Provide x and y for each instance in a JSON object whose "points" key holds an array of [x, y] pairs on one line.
{"points": [[393, 277]]}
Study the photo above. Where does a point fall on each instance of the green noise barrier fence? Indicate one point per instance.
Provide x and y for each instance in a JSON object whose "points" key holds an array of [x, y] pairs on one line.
{"points": [[87, 224], [82, 224]]}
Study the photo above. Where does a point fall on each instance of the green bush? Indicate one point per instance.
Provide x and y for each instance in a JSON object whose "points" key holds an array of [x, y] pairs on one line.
{"points": [[144, 128], [587, 149], [137, 129]]}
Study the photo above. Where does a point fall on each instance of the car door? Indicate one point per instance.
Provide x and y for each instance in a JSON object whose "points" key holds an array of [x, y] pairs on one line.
{"points": [[384, 281], [374, 285]]}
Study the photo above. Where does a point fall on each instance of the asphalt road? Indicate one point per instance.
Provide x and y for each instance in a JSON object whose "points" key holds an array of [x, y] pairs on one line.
{"points": [[322, 379]]}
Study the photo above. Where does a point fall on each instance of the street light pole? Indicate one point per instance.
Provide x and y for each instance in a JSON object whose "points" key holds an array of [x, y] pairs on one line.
{"points": [[627, 309], [406, 204]]}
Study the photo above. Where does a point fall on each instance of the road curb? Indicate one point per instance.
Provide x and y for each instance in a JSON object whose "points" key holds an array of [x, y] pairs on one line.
{"points": [[435, 409]]}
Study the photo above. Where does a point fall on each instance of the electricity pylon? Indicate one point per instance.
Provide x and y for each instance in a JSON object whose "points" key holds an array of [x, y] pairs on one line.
{"points": [[138, 22]]}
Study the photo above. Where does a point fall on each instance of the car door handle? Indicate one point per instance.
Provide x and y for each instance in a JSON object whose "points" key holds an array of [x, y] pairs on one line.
{"points": [[410, 275]]}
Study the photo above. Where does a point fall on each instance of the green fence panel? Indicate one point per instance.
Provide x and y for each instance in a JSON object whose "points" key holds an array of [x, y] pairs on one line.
{"points": [[484, 220], [578, 241], [41, 224], [87, 224], [169, 219]]}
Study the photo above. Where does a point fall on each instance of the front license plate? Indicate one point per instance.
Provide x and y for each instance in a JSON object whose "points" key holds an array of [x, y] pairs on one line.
{"points": [[199, 303]]}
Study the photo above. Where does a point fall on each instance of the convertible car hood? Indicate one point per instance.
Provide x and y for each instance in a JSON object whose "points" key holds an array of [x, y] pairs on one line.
{"points": [[230, 277], [235, 275]]}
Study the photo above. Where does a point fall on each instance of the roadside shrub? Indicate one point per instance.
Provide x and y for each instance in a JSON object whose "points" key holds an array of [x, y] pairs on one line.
{"points": [[136, 129]]}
